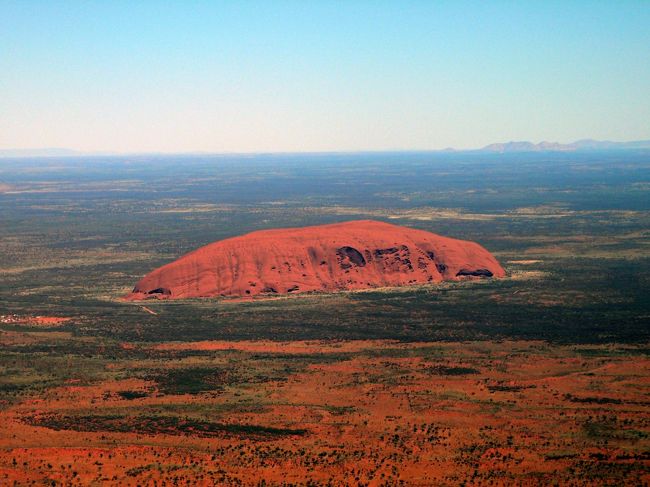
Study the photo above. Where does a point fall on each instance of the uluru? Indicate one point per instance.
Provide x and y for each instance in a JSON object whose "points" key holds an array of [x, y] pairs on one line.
{"points": [[325, 258]]}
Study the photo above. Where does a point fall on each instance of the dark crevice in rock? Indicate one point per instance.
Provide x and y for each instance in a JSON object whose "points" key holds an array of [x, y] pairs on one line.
{"points": [[476, 273], [388, 251], [313, 255], [349, 257], [160, 290]]}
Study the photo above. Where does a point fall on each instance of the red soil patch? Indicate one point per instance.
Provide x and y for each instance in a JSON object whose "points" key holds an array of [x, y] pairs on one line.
{"points": [[293, 347], [342, 256], [513, 413], [33, 320]]}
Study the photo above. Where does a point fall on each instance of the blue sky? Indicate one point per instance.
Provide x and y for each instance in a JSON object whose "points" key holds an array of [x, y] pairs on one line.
{"points": [[320, 76]]}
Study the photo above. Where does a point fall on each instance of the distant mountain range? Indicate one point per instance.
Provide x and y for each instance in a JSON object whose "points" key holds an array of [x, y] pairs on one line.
{"points": [[499, 148], [580, 145]]}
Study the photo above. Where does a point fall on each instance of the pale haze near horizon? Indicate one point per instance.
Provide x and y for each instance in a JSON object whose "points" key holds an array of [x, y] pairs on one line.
{"points": [[320, 76]]}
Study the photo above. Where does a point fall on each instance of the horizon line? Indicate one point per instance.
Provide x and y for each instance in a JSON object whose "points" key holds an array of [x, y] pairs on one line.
{"points": [[490, 148]]}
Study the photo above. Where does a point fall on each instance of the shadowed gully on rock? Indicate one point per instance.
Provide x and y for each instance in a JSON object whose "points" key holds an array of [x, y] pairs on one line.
{"points": [[341, 256]]}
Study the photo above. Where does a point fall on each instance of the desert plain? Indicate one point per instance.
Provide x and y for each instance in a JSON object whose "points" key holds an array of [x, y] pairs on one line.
{"points": [[541, 377]]}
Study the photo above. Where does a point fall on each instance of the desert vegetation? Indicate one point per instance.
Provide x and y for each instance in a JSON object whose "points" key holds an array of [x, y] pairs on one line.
{"points": [[537, 378]]}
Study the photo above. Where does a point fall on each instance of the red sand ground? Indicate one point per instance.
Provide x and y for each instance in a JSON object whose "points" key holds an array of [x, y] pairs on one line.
{"points": [[33, 320], [528, 414], [351, 255]]}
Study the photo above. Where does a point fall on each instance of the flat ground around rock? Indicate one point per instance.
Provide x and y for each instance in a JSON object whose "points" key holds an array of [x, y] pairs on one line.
{"points": [[345, 413], [539, 378]]}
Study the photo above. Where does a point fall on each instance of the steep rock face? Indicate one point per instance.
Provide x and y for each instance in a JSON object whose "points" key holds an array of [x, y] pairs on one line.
{"points": [[350, 255]]}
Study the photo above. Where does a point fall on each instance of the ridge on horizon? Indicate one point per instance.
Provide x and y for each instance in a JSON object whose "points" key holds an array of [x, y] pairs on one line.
{"points": [[496, 147], [582, 144]]}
